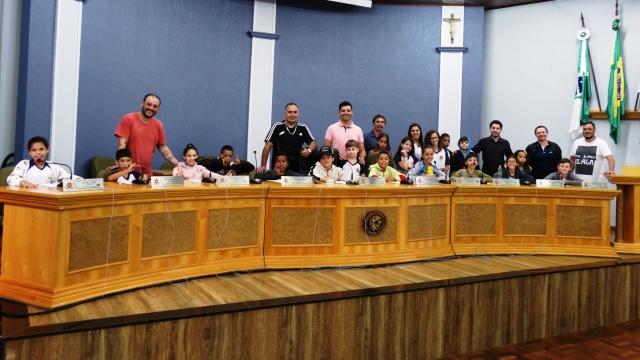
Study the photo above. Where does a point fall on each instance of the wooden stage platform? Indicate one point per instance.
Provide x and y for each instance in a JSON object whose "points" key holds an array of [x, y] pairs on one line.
{"points": [[422, 310]]}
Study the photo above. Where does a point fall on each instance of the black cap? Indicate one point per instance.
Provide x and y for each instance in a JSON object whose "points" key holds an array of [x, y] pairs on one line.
{"points": [[326, 150]]}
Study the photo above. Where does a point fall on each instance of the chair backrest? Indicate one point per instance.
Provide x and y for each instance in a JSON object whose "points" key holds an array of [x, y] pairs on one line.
{"points": [[4, 174], [103, 174], [206, 157], [372, 158], [167, 166], [100, 163]]}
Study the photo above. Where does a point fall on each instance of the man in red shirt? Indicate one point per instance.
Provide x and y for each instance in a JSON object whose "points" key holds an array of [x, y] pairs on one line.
{"points": [[141, 132]]}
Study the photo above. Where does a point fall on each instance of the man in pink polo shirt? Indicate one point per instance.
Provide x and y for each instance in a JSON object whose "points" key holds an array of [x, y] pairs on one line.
{"points": [[344, 130]]}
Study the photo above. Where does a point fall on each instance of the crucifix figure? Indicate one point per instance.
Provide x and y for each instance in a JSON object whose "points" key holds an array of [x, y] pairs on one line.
{"points": [[452, 25]]}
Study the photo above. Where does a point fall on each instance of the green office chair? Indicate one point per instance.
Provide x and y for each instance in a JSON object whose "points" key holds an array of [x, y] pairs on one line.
{"points": [[103, 174], [100, 163], [4, 174], [372, 158]]}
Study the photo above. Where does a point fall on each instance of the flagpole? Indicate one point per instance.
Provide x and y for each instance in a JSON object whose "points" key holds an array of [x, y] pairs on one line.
{"points": [[593, 72]]}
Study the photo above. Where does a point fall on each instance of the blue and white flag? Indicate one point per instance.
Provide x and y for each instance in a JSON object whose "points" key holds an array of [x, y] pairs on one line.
{"points": [[580, 113]]}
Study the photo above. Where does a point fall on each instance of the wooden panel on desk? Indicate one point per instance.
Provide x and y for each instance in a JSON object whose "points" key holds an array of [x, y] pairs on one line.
{"points": [[27, 243], [476, 219], [630, 170], [536, 213], [312, 226], [233, 227], [90, 239], [627, 211], [168, 233], [428, 222], [566, 210], [354, 230], [579, 221]]}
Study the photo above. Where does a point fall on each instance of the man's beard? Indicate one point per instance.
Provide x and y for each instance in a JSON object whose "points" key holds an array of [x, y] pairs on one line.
{"points": [[144, 113]]}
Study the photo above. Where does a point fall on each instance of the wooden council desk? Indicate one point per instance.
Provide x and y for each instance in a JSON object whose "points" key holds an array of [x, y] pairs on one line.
{"points": [[61, 248], [627, 210]]}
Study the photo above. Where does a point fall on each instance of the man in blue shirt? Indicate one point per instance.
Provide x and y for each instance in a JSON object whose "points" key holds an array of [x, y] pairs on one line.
{"points": [[371, 138]]}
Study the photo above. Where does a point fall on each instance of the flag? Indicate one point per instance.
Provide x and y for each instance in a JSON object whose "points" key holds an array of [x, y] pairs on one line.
{"points": [[615, 104], [580, 112]]}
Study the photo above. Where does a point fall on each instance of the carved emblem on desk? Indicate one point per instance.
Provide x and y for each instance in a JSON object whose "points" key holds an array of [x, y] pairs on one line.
{"points": [[375, 222]]}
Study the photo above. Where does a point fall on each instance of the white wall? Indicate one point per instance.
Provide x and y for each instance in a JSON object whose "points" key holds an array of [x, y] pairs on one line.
{"points": [[530, 66]]}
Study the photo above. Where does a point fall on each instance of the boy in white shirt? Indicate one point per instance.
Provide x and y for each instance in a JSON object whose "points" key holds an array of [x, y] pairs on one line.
{"points": [[126, 172], [324, 170], [352, 166]]}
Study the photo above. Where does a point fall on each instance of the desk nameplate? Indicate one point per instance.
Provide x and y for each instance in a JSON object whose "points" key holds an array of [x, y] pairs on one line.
{"points": [[166, 181], [372, 181], [425, 181], [549, 183], [296, 180], [463, 181], [82, 185], [506, 182], [595, 184], [233, 180]]}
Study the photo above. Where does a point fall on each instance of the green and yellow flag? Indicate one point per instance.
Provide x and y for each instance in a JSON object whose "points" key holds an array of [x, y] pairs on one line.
{"points": [[615, 105]]}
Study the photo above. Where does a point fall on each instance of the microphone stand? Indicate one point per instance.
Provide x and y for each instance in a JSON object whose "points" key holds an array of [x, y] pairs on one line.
{"points": [[59, 164], [209, 180]]}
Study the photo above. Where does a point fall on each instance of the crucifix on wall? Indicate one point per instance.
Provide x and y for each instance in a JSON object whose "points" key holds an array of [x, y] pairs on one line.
{"points": [[452, 26]]}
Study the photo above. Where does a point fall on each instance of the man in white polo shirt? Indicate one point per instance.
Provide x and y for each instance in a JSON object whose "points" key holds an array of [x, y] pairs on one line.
{"points": [[344, 130], [588, 154]]}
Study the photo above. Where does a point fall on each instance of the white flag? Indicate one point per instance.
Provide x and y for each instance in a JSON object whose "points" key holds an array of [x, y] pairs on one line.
{"points": [[580, 112]]}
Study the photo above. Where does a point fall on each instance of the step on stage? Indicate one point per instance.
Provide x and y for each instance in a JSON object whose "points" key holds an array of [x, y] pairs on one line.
{"points": [[421, 310]]}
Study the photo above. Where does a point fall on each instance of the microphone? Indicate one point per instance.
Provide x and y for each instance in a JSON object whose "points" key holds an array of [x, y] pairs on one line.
{"points": [[482, 180], [59, 164]]}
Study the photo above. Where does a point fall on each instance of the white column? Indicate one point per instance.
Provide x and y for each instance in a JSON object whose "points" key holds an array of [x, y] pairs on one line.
{"points": [[261, 78], [450, 104], [66, 73], [10, 13]]}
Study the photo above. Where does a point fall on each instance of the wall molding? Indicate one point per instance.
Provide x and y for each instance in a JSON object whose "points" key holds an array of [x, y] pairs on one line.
{"points": [[263, 35], [452, 49]]}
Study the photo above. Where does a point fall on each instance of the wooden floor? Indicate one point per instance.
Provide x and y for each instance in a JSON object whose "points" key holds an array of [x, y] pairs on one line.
{"points": [[620, 341], [392, 308]]}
